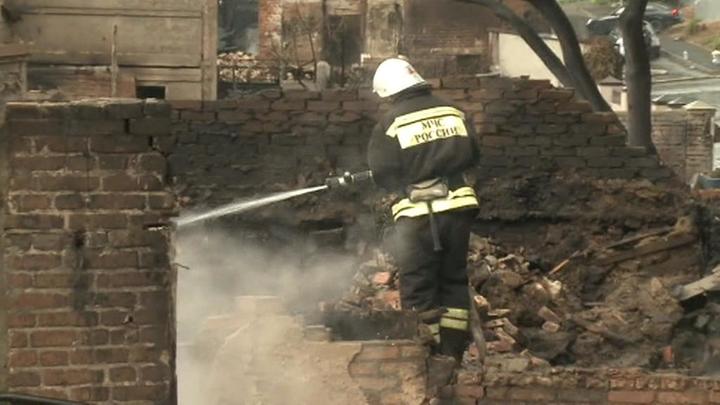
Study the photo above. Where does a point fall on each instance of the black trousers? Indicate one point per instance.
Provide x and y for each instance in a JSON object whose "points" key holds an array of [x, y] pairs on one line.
{"points": [[429, 279]]}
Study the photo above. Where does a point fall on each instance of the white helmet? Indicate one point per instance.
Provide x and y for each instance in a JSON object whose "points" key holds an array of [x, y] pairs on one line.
{"points": [[393, 76]]}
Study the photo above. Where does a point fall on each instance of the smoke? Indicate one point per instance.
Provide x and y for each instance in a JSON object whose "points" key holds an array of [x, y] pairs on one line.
{"points": [[219, 266]]}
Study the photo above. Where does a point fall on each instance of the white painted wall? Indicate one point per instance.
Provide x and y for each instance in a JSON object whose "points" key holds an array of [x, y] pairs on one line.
{"points": [[513, 57]]}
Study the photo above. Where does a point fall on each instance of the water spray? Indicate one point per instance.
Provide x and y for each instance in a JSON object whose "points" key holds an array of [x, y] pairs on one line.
{"points": [[345, 180]]}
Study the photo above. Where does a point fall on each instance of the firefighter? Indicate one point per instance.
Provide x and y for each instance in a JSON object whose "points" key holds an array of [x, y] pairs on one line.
{"points": [[419, 150]]}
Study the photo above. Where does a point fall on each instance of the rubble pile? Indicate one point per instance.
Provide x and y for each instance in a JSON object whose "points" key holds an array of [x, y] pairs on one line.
{"points": [[241, 67], [615, 304]]}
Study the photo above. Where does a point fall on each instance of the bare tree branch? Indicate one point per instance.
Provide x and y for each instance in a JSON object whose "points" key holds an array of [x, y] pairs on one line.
{"points": [[531, 37], [637, 75], [572, 55]]}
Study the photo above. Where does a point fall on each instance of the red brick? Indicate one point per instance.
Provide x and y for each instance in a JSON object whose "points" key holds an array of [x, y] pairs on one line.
{"points": [[115, 318], [67, 183], [531, 394], [18, 339], [51, 241], [33, 221], [69, 201], [38, 162], [714, 397], [68, 319], [632, 397], [125, 336], [47, 392], [582, 395], [21, 320], [71, 377], [57, 144], [687, 397], [131, 279], [95, 337], [20, 146], [81, 356], [323, 106], [155, 373], [17, 241], [119, 144], [112, 162], [126, 182], [97, 127], [197, 116], [152, 162], [154, 334], [37, 300], [55, 280], [86, 394], [152, 316], [115, 299], [112, 355], [23, 379], [31, 127], [34, 261], [233, 116], [19, 280], [162, 201], [288, 105], [123, 374], [97, 221], [117, 259], [53, 338], [117, 201], [140, 392], [54, 358], [145, 354], [492, 140], [22, 358]]}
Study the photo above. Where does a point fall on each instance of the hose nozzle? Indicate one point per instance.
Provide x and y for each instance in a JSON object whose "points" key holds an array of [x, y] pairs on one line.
{"points": [[348, 179]]}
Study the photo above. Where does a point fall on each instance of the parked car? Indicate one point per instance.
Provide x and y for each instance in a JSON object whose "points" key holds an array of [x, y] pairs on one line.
{"points": [[658, 15], [652, 41]]}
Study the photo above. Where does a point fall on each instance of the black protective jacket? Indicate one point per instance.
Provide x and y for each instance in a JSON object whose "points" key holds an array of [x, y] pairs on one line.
{"points": [[421, 137]]}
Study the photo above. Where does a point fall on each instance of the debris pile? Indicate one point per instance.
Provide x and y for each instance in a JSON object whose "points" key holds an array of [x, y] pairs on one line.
{"points": [[615, 305], [241, 67]]}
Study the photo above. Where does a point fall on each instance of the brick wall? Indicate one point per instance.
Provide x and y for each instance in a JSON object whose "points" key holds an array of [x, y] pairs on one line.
{"points": [[684, 140], [238, 147], [89, 285], [582, 386], [269, 26]]}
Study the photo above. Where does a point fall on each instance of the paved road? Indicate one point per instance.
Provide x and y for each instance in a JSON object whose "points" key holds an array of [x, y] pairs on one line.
{"points": [[696, 54]]}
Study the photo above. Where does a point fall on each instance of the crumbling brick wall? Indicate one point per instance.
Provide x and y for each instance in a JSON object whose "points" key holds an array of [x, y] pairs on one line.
{"points": [[684, 140], [89, 285], [238, 147], [582, 386]]}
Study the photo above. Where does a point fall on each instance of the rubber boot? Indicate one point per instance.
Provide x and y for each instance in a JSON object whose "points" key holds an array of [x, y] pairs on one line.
{"points": [[454, 342]]}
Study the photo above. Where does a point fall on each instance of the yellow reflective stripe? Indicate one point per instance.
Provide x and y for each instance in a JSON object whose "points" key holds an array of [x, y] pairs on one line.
{"points": [[435, 331], [422, 115], [461, 198], [457, 313], [450, 323]]}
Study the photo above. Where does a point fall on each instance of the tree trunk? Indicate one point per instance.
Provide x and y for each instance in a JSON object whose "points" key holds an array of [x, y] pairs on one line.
{"points": [[548, 57], [637, 75], [574, 62]]}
